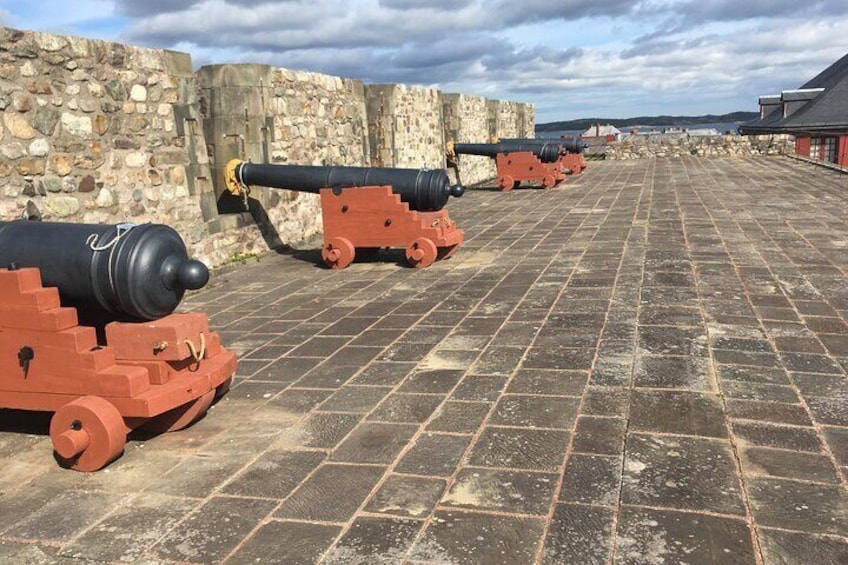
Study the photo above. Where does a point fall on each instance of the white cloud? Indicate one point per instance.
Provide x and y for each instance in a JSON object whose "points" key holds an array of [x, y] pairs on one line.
{"points": [[572, 58]]}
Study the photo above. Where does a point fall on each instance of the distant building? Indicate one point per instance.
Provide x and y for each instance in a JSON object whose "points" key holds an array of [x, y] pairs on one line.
{"points": [[606, 133], [703, 132], [816, 114]]}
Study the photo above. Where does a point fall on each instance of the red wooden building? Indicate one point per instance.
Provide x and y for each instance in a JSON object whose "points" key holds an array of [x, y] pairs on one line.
{"points": [[816, 114]]}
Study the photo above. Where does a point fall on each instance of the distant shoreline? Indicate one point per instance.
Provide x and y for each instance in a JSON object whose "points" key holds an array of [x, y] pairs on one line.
{"points": [[648, 121]]}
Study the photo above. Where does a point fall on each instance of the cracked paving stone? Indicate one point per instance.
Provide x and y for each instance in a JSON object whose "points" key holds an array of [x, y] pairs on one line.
{"points": [[829, 411], [320, 430], [579, 534], [275, 474], [286, 543], [434, 454], [559, 358], [375, 541], [681, 472], [327, 376], [606, 401], [837, 440], [412, 497], [300, 401], [332, 494], [591, 479], [673, 340], [798, 548], [522, 448], [554, 383], [383, 374], [128, 533], [793, 505], [201, 539], [675, 412], [502, 491], [759, 391], [753, 374], [612, 371], [479, 387], [828, 386], [355, 399], [459, 417], [688, 373], [463, 539], [780, 437], [774, 412], [374, 443], [64, 517], [788, 464], [406, 408], [435, 382], [535, 411], [603, 436], [647, 536]]}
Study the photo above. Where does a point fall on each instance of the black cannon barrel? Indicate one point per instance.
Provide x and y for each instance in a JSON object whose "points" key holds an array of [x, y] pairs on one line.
{"points": [[134, 271], [424, 190], [568, 144], [546, 152]]}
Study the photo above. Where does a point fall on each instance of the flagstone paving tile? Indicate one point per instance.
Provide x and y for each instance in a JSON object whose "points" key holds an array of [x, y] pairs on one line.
{"points": [[595, 376]]}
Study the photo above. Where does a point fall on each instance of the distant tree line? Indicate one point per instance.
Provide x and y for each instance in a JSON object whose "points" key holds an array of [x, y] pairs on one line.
{"points": [[585, 123]]}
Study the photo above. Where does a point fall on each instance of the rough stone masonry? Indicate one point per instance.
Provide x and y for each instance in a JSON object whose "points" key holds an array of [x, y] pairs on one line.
{"points": [[101, 132]]}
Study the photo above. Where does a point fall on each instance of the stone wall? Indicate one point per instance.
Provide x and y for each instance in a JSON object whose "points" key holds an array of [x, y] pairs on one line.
{"points": [[100, 132], [405, 126], [509, 119], [473, 119], [677, 145], [263, 114], [528, 119], [466, 121]]}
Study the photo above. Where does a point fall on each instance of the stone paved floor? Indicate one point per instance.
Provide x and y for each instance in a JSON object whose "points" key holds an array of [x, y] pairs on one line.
{"points": [[647, 365]]}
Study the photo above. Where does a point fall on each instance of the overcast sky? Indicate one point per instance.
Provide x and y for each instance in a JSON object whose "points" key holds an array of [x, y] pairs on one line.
{"points": [[572, 58]]}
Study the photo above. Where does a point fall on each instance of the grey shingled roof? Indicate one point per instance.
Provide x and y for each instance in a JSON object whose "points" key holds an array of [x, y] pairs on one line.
{"points": [[762, 125], [828, 112], [829, 77]]}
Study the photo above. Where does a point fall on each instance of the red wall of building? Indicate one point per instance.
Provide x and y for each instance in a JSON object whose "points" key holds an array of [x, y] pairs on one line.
{"points": [[843, 151], [802, 146]]}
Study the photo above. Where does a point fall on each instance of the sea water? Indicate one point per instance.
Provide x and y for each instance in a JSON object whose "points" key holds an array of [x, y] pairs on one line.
{"points": [[720, 127]]}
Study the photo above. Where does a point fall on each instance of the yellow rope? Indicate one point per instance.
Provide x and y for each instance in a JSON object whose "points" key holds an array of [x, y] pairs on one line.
{"points": [[194, 353]]}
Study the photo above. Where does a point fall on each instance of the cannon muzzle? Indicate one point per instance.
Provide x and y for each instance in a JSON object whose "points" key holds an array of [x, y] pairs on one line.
{"points": [[573, 144], [424, 190], [546, 152], [132, 271]]}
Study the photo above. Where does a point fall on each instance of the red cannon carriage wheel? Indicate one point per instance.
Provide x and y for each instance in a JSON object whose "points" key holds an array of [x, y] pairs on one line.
{"points": [[339, 253], [506, 183], [88, 433], [181, 416], [548, 181], [421, 253]]}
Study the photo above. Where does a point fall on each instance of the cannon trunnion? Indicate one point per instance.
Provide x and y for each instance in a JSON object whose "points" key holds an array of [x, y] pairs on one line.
{"points": [[160, 372], [365, 209]]}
